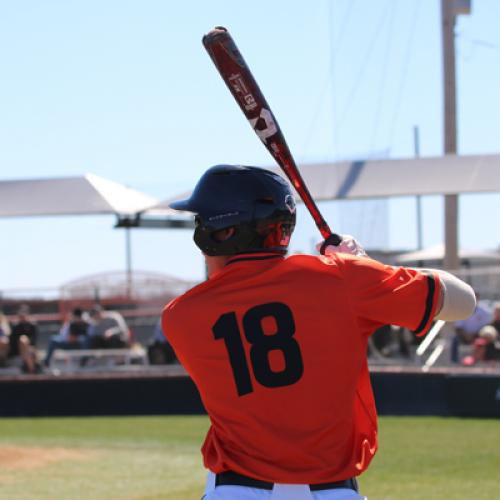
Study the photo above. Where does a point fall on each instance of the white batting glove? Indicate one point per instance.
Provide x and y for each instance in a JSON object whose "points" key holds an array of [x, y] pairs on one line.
{"points": [[348, 245]]}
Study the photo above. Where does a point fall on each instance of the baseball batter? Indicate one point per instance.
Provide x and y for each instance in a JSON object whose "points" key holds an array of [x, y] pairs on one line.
{"points": [[277, 345]]}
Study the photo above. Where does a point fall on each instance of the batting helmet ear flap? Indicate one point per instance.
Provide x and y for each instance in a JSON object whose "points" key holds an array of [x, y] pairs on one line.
{"points": [[277, 235], [224, 234], [240, 240]]}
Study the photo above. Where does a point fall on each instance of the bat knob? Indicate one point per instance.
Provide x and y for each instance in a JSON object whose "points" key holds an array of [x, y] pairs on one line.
{"points": [[333, 239]]}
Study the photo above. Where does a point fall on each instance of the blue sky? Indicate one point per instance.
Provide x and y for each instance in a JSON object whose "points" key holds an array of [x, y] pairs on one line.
{"points": [[125, 90]]}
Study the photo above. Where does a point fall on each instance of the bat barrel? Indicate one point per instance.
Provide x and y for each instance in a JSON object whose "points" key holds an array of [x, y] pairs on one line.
{"points": [[245, 90]]}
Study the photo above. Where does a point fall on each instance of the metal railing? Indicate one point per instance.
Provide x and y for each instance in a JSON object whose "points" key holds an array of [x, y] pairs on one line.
{"points": [[426, 344]]}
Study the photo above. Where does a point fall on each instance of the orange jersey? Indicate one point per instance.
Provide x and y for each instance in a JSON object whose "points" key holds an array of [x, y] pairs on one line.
{"points": [[277, 348]]}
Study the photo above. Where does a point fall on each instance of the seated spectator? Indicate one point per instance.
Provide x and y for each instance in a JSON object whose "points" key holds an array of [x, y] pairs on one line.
{"points": [[496, 317], [73, 335], [467, 330], [4, 339], [160, 352], [485, 348], [406, 341], [390, 341], [107, 329], [22, 340], [380, 343]]}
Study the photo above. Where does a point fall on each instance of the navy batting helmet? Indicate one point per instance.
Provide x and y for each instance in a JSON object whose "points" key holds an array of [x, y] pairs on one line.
{"points": [[257, 203]]}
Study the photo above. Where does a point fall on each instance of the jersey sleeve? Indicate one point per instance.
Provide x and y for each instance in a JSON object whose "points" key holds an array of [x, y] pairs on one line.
{"points": [[391, 295]]}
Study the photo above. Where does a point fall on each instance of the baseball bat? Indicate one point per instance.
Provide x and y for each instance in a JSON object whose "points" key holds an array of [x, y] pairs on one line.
{"points": [[242, 85]]}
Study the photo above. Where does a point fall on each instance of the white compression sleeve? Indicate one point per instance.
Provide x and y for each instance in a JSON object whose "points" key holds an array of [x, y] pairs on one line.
{"points": [[459, 299]]}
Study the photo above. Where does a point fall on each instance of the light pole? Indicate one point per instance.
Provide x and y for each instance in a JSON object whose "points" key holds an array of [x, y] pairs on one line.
{"points": [[450, 9]]}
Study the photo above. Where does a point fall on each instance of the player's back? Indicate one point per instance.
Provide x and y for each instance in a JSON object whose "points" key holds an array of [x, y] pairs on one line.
{"points": [[279, 358]]}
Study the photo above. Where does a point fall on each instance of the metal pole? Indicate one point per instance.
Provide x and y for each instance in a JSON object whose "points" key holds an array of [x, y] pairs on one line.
{"points": [[416, 143], [128, 257], [449, 11]]}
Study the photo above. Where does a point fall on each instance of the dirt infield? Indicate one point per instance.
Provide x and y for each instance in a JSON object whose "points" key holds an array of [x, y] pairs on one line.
{"points": [[16, 457]]}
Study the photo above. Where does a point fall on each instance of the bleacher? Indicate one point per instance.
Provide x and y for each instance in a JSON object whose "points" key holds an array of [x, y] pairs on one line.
{"points": [[82, 360]]}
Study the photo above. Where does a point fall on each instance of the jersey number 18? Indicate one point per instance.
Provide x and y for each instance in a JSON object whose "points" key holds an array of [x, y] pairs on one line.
{"points": [[262, 343]]}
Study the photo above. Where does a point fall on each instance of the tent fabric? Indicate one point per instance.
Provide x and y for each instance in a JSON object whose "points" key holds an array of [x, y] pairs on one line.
{"points": [[369, 179], [449, 174], [83, 195], [436, 253], [164, 204]]}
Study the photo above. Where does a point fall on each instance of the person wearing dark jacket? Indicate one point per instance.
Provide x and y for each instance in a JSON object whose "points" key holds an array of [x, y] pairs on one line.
{"points": [[73, 335], [22, 340]]}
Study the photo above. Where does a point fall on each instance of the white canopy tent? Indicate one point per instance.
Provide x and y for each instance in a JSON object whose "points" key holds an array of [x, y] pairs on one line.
{"points": [[436, 254], [82, 195], [370, 179], [405, 177]]}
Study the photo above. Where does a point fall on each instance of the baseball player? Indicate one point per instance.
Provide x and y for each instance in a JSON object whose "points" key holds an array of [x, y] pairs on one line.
{"points": [[277, 345]]}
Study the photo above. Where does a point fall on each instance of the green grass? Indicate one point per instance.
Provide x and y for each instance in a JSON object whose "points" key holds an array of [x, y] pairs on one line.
{"points": [[153, 458], [435, 458], [129, 458]]}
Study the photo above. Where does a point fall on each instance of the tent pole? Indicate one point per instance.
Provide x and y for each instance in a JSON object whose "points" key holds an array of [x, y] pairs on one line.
{"points": [[128, 257], [416, 145]]}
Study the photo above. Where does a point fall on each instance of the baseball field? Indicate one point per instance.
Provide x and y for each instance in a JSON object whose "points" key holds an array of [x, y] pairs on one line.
{"points": [[152, 458]]}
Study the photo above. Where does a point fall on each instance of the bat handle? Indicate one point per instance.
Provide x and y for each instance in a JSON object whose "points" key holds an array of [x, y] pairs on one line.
{"points": [[332, 239]]}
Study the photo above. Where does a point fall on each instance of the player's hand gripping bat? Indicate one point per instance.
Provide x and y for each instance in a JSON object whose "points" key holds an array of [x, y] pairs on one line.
{"points": [[240, 81]]}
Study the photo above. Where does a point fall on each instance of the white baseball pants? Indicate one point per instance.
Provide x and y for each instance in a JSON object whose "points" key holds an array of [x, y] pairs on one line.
{"points": [[279, 492]]}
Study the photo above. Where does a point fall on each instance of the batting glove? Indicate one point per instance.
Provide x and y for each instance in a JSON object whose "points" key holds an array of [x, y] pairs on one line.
{"points": [[348, 245]]}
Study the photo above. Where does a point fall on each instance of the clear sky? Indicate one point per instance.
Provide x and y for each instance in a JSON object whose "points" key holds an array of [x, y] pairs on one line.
{"points": [[125, 90]]}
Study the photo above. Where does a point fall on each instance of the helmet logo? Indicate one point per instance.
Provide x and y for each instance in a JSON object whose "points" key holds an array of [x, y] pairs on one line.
{"points": [[264, 125], [290, 203], [222, 216]]}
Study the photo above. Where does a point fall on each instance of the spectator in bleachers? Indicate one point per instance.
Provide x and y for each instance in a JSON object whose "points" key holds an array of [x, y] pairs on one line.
{"points": [[107, 330], [4, 339], [390, 341], [22, 340], [467, 330], [485, 348], [496, 317], [73, 335], [160, 352]]}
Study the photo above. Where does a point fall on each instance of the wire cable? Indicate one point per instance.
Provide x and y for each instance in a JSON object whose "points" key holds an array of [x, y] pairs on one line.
{"points": [[404, 72], [381, 91], [363, 66], [329, 78]]}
